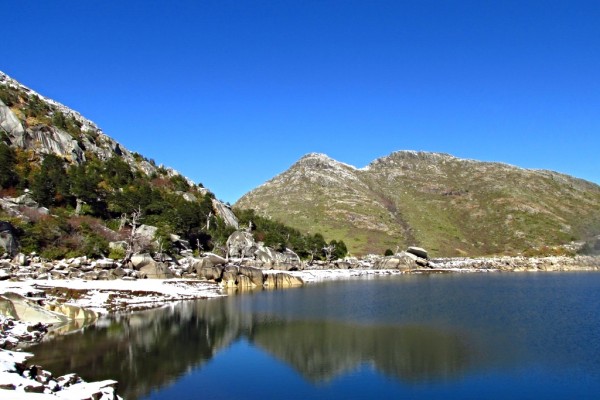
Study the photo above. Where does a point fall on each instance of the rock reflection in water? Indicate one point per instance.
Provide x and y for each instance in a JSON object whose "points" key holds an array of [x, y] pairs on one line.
{"points": [[149, 350]]}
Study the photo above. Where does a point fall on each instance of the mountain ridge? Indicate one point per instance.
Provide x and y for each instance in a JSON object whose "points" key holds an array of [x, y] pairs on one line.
{"points": [[453, 206]]}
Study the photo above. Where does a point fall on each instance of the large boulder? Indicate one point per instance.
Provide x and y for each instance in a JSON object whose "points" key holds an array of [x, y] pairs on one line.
{"points": [[155, 270], [400, 261], [286, 261], [244, 282], [8, 238], [241, 244], [282, 280], [418, 251], [254, 274], [144, 237], [214, 259], [206, 270], [265, 255], [141, 260], [210, 266], [229, 276], [18, 307]]}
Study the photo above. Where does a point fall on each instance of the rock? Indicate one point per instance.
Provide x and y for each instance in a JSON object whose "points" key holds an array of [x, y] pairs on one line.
{"points": [[342, 265], [241, 244], [105, 263], [244, 282], [214, 259], [22, 309], [21, 260], [282, 280], [8, 238], [205, 270], [155, 271], [118, 272], [254, 274], [229, 277], [401, 261], [286, 261], [140, 260], [418, 251], [225, 212], [9, 121], [145, 236]]}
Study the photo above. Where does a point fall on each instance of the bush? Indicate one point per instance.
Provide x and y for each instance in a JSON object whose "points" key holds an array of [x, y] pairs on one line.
{"points": [[388, 253]]}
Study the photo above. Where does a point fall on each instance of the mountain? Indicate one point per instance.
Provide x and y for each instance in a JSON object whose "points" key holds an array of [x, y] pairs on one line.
{"points": [[66, 186], [40, 125], [448, 205]]}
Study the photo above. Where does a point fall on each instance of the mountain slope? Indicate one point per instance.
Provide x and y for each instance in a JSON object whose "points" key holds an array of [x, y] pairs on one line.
{"points": [[67, 186], [449, 205]]}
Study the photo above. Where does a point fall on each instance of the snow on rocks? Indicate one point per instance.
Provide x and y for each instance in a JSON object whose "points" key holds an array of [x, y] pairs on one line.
{"points": [[19, 381], [13, 332]]}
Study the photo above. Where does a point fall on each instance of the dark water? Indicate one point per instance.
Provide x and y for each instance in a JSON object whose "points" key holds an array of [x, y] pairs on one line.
{"points": [[466, 336]]}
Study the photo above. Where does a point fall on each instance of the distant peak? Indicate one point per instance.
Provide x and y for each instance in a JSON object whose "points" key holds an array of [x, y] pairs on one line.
{"points": [[318, 156], [321, 160]]}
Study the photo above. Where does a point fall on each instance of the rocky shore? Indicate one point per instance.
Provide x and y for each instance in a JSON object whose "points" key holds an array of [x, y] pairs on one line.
{"points": [[38, 295], [18, 380]]}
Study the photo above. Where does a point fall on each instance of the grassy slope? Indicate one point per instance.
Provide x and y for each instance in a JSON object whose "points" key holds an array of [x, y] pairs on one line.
{"points": [[447, 205]]}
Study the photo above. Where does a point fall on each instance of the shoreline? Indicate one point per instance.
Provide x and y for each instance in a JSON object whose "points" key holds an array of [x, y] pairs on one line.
{"points": [[84, 301]]}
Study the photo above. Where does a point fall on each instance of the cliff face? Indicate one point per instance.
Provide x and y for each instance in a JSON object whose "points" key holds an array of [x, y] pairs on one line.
{"points": [[449, 205], [33, 122]]}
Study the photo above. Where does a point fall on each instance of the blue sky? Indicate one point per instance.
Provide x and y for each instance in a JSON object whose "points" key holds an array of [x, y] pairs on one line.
{"points": [[232, 93]]}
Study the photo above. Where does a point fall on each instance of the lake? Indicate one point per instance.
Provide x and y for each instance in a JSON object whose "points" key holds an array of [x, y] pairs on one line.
{"points": [[438, 336]]}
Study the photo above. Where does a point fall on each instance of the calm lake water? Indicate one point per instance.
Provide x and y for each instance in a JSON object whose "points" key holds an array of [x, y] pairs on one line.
{"points": [[464, 336]]}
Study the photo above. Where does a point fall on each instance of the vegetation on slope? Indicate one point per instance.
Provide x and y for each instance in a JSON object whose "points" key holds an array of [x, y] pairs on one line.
{"points": [[90, 199], [452, 207]]}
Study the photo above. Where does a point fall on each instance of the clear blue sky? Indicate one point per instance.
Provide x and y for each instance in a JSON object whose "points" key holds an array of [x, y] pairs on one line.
{"points": [[232, 93]]}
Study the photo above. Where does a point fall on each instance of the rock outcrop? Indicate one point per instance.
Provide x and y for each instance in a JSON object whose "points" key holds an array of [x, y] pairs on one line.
{"points": [[8, 239], [241, 244]]}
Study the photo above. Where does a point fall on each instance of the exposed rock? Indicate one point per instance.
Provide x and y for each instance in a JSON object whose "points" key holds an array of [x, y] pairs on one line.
{"points": [[282, 280], [418, 251], [145, 235], [214, 259], [244, 282], [401, 261], [8, 238], [241, 244], [206, 270], [254, 274], [230, 276], [22, 309], [140, 260], [225, 212], [155, 271], [9, 122], [270, 258]]}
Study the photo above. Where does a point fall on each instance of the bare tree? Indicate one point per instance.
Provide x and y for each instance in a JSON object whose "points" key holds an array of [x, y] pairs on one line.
{"points": [[208, 217], [132, 240], [329, 249]]}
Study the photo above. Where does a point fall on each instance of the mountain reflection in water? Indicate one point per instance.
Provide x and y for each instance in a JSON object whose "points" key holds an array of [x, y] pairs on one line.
{"points": [[493, 336], [150, 349]]}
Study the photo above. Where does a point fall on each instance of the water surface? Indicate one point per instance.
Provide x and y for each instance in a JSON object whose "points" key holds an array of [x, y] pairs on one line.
{"points": [[489, 335]]}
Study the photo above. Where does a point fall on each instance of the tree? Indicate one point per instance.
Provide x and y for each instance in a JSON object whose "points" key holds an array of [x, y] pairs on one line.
{"points": [[8, 161], [51, 184]]}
